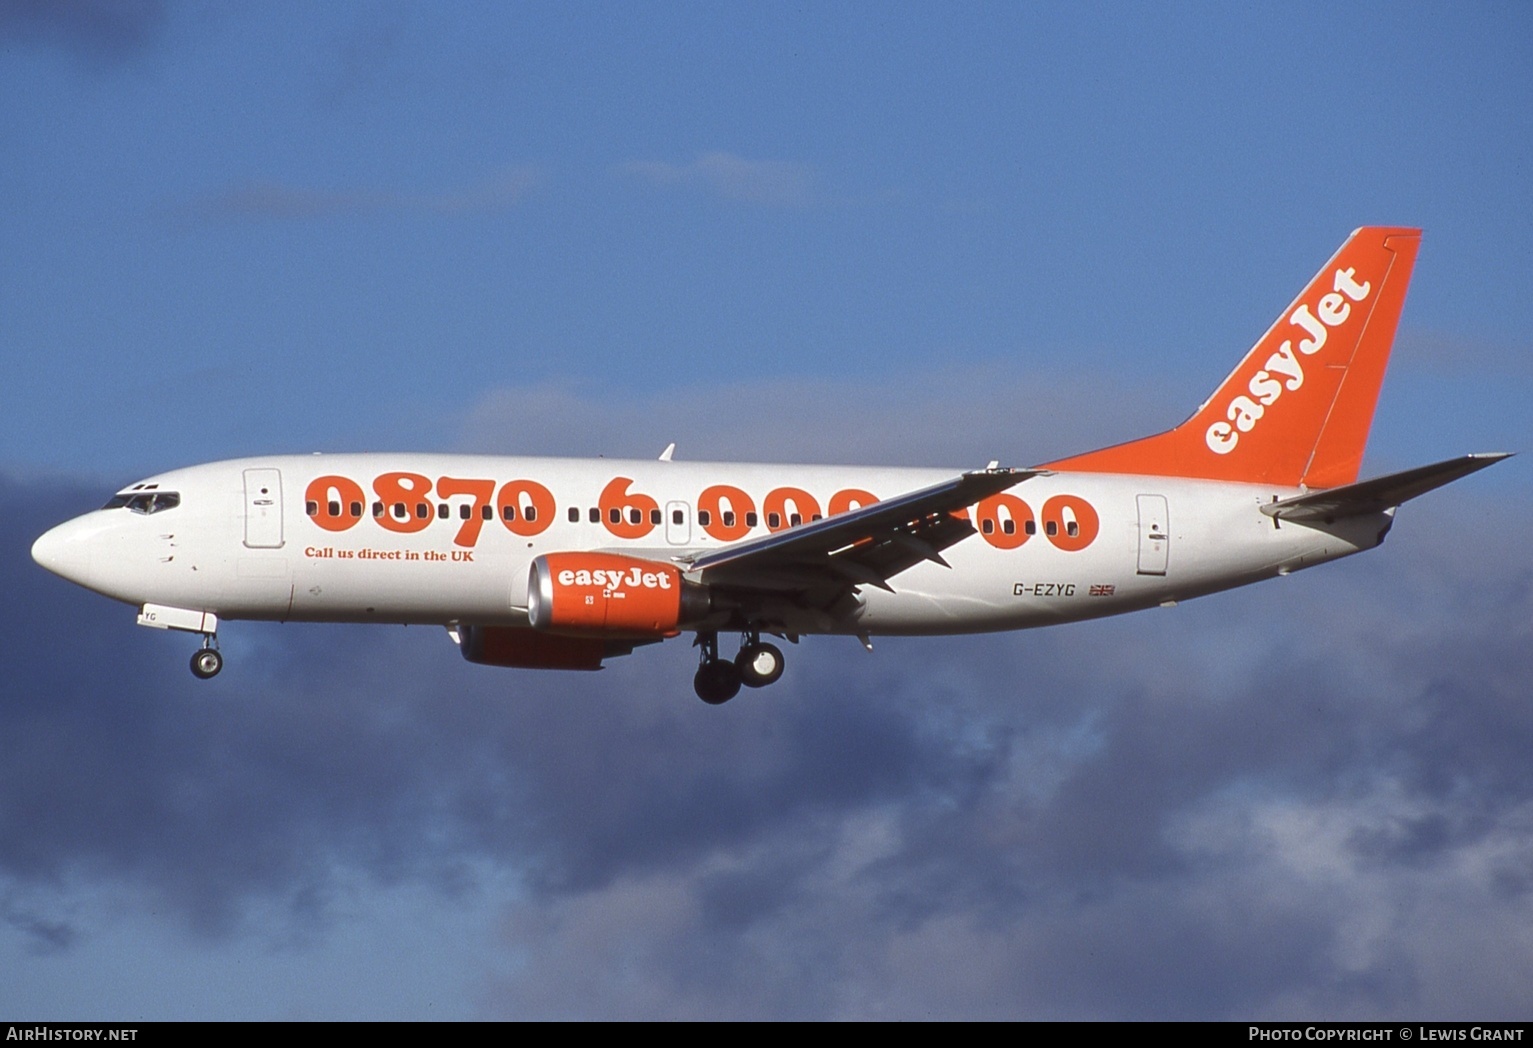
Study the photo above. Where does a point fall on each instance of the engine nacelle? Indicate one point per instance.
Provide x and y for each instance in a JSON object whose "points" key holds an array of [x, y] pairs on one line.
{"points": [[611, 594], [522, 648]]}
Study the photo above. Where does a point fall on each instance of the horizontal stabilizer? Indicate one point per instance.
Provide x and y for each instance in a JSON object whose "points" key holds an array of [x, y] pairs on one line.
{"points": [[1381, 493]]}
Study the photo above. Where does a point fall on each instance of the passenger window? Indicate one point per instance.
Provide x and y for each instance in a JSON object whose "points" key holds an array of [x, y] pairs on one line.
{"points": [[1030, 527], [795, 520], [508, 512], [729, 518], [1072, 529], [704, 517], [987, 526], [310, 507], [654, 516], [422, 510], [634, 516], [615, 515], [677, 517], [335, 509], [444, 511], [774, 520], [1051, 528], [1008, 527], [750, 520], [574, 515], [531, 514], [377, 509], [594, 516], [486, 512], [356, 509]]}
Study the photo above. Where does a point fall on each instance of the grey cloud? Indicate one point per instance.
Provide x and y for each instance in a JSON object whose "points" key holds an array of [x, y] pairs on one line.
{"points": [[1304, 798], [97, 30]]}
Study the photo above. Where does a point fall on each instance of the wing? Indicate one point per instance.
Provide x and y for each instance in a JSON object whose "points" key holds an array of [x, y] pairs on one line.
{"points": [[819, 565]]}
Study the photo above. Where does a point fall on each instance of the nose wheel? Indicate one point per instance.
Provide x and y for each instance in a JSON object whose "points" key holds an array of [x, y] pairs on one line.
{"points": [[718, 680], [207, 660]]}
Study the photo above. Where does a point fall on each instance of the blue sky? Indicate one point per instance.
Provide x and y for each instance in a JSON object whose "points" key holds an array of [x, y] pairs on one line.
{"points": [[902, 234]]}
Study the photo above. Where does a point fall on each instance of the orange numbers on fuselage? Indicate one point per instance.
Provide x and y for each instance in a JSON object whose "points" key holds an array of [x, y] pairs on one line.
{"points": [[723, 510], [402, 504], [790, 507], [1069, 522], [525, 507], [335, 502], [628, 515], [1005, 521], [408, 503]]}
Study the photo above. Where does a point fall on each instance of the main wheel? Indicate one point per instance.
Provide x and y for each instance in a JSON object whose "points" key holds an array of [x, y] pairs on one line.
{"points": [[759, 664], [206, 662], [717, 681]]}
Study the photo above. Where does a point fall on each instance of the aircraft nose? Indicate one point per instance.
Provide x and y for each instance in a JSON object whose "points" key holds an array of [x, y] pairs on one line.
{"points": [[62, 551]]}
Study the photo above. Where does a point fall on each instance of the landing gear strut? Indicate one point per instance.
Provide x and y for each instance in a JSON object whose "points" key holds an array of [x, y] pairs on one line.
{"points": [[207, 661], [757, 665]]}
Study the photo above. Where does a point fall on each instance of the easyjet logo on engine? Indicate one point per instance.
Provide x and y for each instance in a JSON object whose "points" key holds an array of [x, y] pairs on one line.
{"points": [[615, 581], [606, 592], [1285, 368]]}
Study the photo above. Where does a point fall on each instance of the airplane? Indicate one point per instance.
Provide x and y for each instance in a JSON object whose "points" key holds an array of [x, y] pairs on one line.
{"points": [[558, 563]]}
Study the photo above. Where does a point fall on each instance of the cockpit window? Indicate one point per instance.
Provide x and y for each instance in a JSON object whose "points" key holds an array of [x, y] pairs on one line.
{"points": [[144, 501]]}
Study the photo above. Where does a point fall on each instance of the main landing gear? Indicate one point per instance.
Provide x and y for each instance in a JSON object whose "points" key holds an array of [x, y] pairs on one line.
{"points": [[757, 665], [207, 661]]}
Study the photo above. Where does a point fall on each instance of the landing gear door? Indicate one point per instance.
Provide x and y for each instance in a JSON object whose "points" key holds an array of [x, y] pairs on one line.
{"points": [[263, 509], [1154, 535]]}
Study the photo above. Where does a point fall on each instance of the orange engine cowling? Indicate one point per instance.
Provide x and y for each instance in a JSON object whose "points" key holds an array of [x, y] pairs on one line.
{"points": [[611, 594], [527, 649]]}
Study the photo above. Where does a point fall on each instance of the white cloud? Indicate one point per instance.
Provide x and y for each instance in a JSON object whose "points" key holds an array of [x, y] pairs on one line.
{"points": [[771, 182]]}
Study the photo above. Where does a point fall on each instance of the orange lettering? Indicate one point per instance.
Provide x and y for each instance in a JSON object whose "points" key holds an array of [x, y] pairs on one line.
{"points": [[851, 498], [633, 516], [406, 508], [712, 502], [1070, 522], [332, 497], [1006, 530], [481, 491], [805, 508], [525, 507]]}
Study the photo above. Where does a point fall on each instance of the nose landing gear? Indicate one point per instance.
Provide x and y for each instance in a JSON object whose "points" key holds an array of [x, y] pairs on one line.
{"points": [[757, 665], [207, 660]]}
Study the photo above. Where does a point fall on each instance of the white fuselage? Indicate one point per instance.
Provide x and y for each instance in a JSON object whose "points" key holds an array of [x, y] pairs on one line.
{"points": [[410, 538]]}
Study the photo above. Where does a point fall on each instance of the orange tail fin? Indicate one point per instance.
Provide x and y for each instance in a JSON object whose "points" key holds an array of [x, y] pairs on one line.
{"points": [[1298, 408]]}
